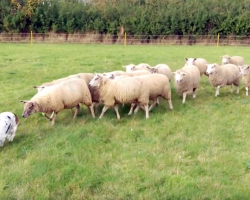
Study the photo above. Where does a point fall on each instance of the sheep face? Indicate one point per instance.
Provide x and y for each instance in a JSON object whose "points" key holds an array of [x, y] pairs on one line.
{"points": [[245, 69], [210, 68], [95, 82], [129, 68], [109, 75], [190, 61], [225, 60], [152, 70], [29, 108], [179, 76], [40, 88]]}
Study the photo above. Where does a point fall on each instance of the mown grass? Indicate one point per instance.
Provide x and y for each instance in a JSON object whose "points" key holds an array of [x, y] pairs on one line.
{"points": [[199, 150]]}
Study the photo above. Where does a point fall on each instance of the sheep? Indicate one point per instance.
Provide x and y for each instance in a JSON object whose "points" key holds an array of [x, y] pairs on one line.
{"points": [[126, 90], [236, 60], [161, 69], [158, 85], [245, 73], [201, 63], [53, 99], [221, 76], [85, 76], [133, 67], [116, 73], [187, 80], [8, 126]]}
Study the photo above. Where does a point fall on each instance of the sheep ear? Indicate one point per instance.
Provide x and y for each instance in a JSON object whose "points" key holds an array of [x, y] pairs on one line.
{"points": [[186, 59], [23, 101], [195, 59], [35, 87]]}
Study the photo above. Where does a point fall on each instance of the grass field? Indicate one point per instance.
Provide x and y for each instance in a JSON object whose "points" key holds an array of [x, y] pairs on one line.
{"points": [[200, 150]]}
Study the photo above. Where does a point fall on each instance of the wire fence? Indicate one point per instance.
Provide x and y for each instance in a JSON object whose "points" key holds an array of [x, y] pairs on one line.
{"points": [[55, 38]]}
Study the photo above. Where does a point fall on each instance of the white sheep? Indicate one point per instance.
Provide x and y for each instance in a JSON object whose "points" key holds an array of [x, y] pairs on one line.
{"points": [[65, 95], [187, 80], [236, 60], [133, 67], [245, 73], [221, 76], [8, 126], [128, 74], [115, 73], [158, 85], [87, 77], [201, 63], [161, 69], [126, 90]]}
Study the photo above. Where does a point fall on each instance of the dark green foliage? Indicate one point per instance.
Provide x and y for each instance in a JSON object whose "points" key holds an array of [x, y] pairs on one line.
{"points": [[139, 17]]}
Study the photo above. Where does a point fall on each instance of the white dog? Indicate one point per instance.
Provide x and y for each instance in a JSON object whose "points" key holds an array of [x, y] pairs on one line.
{"points": [[8, 126]]}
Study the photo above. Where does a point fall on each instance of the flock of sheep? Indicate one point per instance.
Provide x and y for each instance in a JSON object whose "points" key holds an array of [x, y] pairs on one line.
{"points": [[137, 86]]}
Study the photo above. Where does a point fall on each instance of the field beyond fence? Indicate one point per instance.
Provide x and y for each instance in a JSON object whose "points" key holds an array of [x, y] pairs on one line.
{"points": [[57, 38]]}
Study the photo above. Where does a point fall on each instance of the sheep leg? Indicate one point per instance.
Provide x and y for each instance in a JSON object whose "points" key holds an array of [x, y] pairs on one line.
{"points": [[45, 115], [194, 94], [117, 112], [146, 110], [170, 104], [157, 102], [96, 107], [246, 91], [138, 107], [92, 110], [231, 88], [131, 108], [153, 104], [184, 97], [53, 118], [104, 109], [238, 89], [72, 111], [217, 91], [76, 111]]}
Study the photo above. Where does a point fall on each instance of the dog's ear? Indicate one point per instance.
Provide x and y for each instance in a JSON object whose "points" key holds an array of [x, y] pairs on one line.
{"points": [[16, 119]]}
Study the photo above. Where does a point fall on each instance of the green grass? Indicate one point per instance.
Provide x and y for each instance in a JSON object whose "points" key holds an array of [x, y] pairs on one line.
{"points": [[199, 150]]}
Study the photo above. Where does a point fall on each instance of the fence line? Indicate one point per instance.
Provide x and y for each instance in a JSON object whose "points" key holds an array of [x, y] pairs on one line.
{"points": [[55, 38]]}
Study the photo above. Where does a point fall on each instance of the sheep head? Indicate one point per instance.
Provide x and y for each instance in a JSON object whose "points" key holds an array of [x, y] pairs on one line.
{"points": [[96, 81], [211, 68], [39, 88], [244, 69], [29, 108], [225, 59], [179, 76], [190, 61], [129, 67]]}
